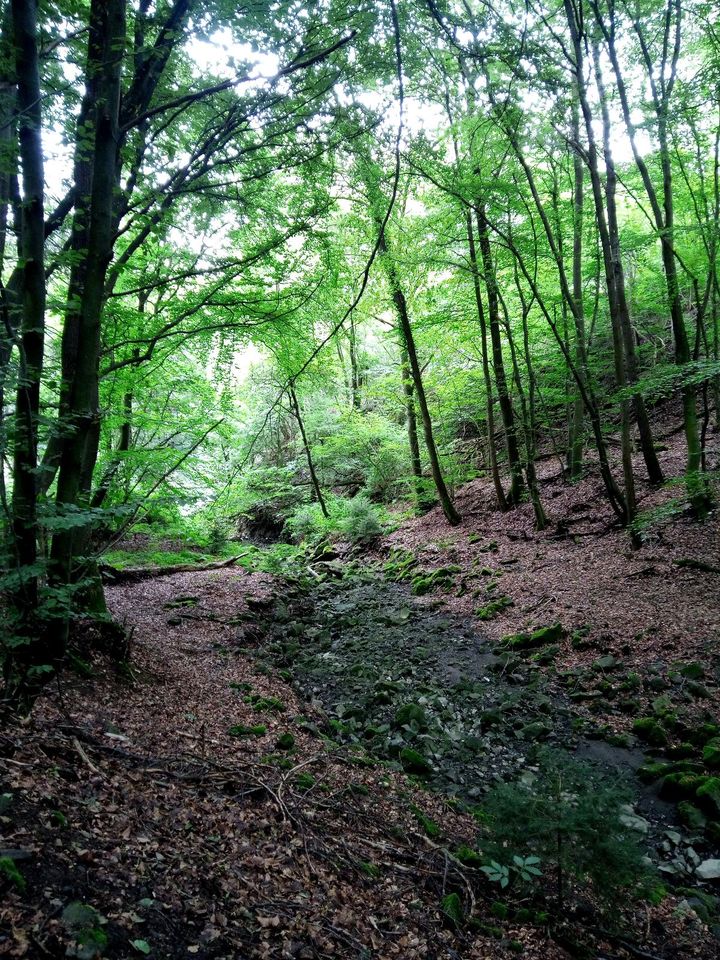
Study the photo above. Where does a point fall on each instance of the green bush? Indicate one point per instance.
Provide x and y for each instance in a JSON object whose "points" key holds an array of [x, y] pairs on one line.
{"points": [[360, 520]]}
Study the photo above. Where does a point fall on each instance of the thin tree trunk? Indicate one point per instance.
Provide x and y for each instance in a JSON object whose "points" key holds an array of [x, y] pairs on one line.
{"points": [[504, 400], [308, 454], [576, 440], [410, 414], [489, 411], [647, 444], [448, 508]]}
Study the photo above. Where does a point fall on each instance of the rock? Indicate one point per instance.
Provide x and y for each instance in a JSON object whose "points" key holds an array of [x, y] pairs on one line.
{"points": [[537, 730], [697, 690], [411, 713], [547, 635], [607, 662], [711, 753], [632, 820], [708, 796], [649, 730], [414, 762], [680, 786], [708, 870], [693, 671], [691, 816]]}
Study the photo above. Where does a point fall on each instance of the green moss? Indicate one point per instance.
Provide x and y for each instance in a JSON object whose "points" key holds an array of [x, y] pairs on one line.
{"points": [[242, 730], [490, 610], [414, 762], [451, 906], [260, 703], [411, 713], [286, 741], [305, 781], [708, 796], [500, 910], [428, 825], [468, 856], [649, 730], [9, 870], [711, 753], [691, 816]]}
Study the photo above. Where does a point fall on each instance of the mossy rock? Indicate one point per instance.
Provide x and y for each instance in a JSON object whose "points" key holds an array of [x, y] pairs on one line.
{"points": [[543, 637], [411, 713], [692, 671], [490, 718], [708, 796], [492, 609], [537, 730], [286, 741], [243, 730], [550, 634], [546, 656], [681, 751], [653, 771], [711, 754], [701, 735], [414, 762], [697, 690], [691, 816], [680, 786], [421, 585], [649, 730], [606, 663]]}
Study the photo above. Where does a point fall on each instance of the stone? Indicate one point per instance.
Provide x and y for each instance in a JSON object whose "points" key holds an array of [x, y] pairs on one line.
{"points": [[411, 713], [632, 820], [708, 870], [607, 662], [649, 730], [414, 762], [711, 753], [690, 815], [537, 730], [708, 796], [693, 671]]}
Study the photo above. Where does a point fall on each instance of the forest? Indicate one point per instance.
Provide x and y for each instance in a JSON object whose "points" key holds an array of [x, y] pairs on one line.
{"points": [[360, 461]]}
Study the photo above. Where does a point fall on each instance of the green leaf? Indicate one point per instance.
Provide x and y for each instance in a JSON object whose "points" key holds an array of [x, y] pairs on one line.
{"points": [[142, 946]]}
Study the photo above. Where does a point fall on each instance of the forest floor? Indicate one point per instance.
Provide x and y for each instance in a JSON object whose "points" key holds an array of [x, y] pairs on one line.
{"points": [[236, 790]]}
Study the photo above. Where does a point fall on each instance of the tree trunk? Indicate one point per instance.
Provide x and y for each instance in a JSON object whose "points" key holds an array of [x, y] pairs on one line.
{"points": [[576, 440], [30, 348], [489, 412], [410, 414], [97, 167], [448, 508], [308, 455], [504, 401]]}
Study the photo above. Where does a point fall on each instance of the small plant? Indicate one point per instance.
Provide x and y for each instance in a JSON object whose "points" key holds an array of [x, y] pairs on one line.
{"points": [[570, 817], [9, 870]]}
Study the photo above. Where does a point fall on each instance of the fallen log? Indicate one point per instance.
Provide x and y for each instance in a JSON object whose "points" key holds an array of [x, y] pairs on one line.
{"points": [[112, 574]]}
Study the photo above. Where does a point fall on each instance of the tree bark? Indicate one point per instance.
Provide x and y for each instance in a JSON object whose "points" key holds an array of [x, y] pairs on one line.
{"points": [[32, 292]]}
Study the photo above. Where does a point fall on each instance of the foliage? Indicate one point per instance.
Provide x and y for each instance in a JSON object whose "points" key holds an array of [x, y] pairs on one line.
{"points": [[567, 816]]}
